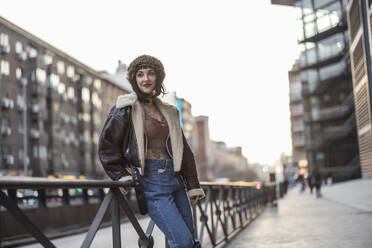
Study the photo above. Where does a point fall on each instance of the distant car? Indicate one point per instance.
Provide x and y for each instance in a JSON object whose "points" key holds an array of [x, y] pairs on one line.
{"points": [[222, 180]]}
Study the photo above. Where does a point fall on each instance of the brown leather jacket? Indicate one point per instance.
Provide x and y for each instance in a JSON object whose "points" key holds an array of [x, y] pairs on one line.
{"points": [[122, 142]]}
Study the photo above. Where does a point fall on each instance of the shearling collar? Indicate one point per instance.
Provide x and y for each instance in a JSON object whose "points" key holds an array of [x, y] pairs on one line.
{"points": [[126, 100]]}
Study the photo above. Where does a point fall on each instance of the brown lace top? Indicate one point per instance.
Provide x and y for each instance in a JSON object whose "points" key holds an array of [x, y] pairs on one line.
{"points": [[156, 132]]}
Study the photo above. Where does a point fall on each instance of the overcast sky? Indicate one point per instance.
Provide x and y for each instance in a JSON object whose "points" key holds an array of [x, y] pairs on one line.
{"points": [[229, 59]]}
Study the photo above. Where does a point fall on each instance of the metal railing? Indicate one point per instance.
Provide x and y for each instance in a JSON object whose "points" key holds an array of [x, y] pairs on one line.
{"points": [[226, 209]]}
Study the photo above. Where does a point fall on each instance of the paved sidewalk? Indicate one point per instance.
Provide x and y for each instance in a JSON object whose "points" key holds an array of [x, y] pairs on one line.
{"points": [[342, 218]]}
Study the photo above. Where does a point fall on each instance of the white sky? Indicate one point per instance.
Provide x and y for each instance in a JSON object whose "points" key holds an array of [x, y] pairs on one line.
{"points": [[229, 59]]}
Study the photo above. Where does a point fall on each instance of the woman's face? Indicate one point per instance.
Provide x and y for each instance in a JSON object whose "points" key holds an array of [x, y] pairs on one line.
{"points": [[146, 80]]}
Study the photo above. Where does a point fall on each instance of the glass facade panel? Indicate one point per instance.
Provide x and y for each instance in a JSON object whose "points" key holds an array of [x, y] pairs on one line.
{"points": [[328, 16], [331, 46], [307, 7], [321, 3], [310, 29], [332, 70]]}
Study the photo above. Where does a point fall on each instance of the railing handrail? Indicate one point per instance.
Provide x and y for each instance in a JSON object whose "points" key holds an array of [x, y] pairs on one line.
{"points": [[41, 183]]}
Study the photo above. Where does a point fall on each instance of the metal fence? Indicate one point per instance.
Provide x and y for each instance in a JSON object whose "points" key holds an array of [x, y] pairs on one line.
{"points": [[226, 209]]}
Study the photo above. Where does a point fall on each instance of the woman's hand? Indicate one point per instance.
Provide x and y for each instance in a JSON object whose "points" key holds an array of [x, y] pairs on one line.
{"points": [[124, 190], [195, 199]]}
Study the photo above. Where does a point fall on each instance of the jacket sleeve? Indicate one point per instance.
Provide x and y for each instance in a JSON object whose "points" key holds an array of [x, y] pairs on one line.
{"points": [[110, 147], [189, 173]]}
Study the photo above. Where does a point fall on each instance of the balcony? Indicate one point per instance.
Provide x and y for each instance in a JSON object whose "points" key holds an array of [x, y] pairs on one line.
{"points": [[335, 111], [338, 28], [21, 106], [329, 60], [5, 131], [337, 132], [332, 134], [330, 113], [298, 128], [9, 159], [294, 98], [35, 109], [21, 56], [35, 134], [299, 142], [23, 81], [5, 49], [7, 103]]}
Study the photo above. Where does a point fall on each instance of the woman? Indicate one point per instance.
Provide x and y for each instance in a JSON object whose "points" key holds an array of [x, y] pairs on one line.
{"points": [[145, 132]]}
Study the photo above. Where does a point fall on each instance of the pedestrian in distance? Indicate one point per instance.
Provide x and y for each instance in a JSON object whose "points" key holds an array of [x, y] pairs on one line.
{"points": [[301, 179], [316, 180], [142, 131]]}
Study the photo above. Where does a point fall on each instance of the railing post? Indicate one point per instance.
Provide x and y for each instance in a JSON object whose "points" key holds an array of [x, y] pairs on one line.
{"points": [[101, 195], [65, 197], [41, 197], [115, 219], [12, 194], [212, 219], [85, 196]]}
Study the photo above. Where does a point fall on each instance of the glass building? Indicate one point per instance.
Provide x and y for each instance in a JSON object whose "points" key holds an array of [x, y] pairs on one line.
{"points": [[327, 92]]}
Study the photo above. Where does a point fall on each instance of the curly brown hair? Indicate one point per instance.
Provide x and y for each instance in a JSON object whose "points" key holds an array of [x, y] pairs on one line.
{"points": [[143, 62]]}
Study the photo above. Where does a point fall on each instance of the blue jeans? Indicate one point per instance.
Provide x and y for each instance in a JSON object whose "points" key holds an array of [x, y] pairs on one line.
{"points": [[168, 204]]}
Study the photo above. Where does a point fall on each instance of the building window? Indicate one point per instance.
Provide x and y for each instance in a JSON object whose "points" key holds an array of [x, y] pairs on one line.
{"points": [[54, 79], [18, 47], [61, 88], [42, 152], [4, 39], [20, 102], [4, 67], [18, 73], [35, 153], [70, 92], [32, 52], [85, 94], [97, 84], [41, 75], [48, 59], [20, 154], [96, 100], [89, 80], [60, 67], [70, 71]]}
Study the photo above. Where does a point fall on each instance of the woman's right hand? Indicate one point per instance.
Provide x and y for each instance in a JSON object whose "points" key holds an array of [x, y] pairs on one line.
{"points": [[124, 190]]}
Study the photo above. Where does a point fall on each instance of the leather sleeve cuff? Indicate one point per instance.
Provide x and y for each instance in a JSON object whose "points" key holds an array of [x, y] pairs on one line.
{"points": [[196, 192], [126, 179]]}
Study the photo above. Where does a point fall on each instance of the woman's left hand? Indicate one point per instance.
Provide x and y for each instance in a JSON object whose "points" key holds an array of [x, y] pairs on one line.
{"points": [[195, 199]]}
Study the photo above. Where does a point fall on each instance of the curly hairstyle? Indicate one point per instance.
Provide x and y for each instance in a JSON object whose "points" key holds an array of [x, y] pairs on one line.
{"points": [[142, 62]]}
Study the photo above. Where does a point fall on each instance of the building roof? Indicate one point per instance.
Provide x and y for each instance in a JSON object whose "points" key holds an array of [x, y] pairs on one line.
{"points": [[48, 46], [119, 77], [284, 2]]}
